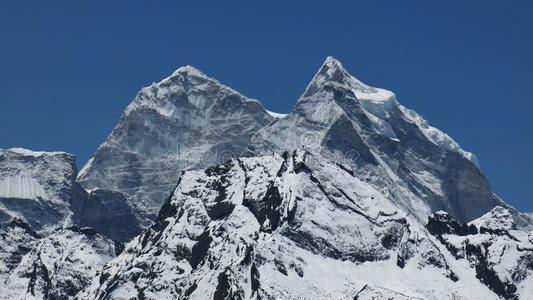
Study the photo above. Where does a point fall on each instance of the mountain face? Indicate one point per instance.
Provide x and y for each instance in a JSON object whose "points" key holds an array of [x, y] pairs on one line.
{"points": [[16, 240], [186, 121], [40, 188], [109, 213], [37, 187], [421, 166], [299, 226]]}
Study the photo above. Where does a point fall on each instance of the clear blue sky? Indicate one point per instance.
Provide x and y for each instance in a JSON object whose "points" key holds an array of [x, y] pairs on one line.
{"points": [[69, 68]]}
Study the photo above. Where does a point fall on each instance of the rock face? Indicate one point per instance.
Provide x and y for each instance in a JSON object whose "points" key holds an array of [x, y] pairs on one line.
{"points": [[295, 226], [109, 213], [188, 120], [38, 187], [501, 256], [57, 266]]}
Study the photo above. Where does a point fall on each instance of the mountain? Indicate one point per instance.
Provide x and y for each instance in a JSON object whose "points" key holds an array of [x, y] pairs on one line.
{"points": [[300, 226], [38, 187], [392, 146], [186, 121], [349, 196], [501, 255], [16, 240], [58, 266]]}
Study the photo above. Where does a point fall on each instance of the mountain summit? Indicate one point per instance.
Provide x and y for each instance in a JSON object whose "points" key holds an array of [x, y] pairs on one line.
{"points": [[332, 72], [187, 120]]}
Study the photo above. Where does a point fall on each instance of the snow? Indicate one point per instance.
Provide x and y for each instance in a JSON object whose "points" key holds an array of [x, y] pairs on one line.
{"points": [[190, 70], [37, 187], [507, 252], [361, 90], [526, 288], [86, 167], [437, 136], [499, 218], [276, 115], [21, 185], [26, 152], [186, 121]]}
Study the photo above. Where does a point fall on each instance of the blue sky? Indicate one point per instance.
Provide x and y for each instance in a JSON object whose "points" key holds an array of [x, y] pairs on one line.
{"points": [[69, 68]]}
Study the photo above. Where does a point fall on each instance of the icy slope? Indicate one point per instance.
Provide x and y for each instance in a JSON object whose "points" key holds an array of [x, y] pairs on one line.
{"points": [[422, 167], [37, 187], [58, 266], [186, 121], [295, 226]]}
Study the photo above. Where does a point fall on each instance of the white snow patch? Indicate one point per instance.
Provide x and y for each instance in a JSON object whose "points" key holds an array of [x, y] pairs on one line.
{"points": [[276, 115], [26, 152], [430, 181], [437, 136], [85, 167]]}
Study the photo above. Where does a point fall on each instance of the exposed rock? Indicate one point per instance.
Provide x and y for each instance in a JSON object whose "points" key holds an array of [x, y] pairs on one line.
{"points": [[58, 266], [501, 256]]}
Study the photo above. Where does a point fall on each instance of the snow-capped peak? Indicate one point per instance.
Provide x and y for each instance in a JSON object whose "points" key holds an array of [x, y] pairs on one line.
{"points": [[265, 220], [498, 219], [332, 64], [330, 71], [333, 72], [189, 70]]}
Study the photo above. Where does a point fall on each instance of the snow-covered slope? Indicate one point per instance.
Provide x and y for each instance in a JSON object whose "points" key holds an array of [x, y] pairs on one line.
{"points": [[37, 187], [188, 120], [40, 188], [16, 240], [501, 256], [295, 226], [58, 266]]}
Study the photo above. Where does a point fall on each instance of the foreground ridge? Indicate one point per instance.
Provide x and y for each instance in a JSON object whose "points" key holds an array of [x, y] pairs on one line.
{"points": [[297, 226]]}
